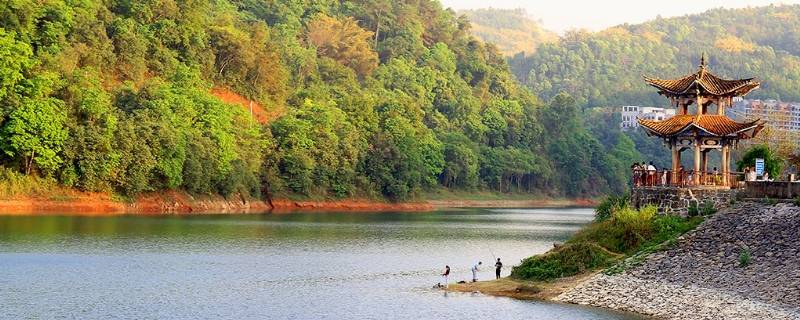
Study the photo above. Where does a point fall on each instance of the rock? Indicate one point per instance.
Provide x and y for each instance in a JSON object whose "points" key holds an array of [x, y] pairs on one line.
{"points": [[700, 277]]}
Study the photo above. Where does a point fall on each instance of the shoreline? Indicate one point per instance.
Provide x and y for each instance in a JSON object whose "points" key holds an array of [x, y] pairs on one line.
{"points": [[700, 276], [175, 202], [523, 289], [740, 263]]}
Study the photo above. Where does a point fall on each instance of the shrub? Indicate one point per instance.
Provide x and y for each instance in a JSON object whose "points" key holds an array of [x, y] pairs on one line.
{"points": [[744, 257], [631, 230], [610, 204], [770, 201], [636, 225], [773, 162], [693, 209], [797, 201], [566, 260], [708, 208], [602, 243], [622, 234], [13, 183]]}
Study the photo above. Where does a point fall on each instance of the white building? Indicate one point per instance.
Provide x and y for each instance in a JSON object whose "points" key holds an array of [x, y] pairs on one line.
{"points": [[631, 113]]}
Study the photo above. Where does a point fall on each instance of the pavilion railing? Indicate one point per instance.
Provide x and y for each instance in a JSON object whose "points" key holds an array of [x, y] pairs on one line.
{"points": [[690, 178]]}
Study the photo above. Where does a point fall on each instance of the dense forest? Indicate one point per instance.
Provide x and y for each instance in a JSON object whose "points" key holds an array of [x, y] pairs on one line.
{"points": [[367, 98], [511, 30], [605, 68]]}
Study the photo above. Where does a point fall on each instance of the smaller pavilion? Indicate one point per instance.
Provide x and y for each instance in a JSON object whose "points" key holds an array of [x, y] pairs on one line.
{"points": [[706, 129]]}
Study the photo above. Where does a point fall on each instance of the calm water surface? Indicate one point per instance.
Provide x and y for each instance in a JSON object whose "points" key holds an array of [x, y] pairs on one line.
{"points": [[274, 266]]}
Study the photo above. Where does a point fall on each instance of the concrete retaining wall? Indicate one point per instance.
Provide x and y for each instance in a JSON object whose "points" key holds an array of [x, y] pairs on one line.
{"points": [[772, 189]]}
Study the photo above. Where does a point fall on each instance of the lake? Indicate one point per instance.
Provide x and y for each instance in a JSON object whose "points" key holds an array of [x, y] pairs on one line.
{"points": [[274, 266]]}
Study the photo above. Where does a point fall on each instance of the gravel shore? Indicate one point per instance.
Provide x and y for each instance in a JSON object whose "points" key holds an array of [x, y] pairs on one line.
{"points": [[700, 277]]}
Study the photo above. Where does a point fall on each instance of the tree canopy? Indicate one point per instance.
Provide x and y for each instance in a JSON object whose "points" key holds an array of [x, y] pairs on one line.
{"points": [[605, 68], [365, 98]]}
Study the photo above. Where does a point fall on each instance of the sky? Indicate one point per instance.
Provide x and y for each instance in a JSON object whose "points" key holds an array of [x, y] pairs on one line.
{"points": [[563, 15]]}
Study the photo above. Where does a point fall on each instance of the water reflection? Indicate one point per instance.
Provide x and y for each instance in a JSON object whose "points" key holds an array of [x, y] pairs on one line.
{"points": [[282, 266]]}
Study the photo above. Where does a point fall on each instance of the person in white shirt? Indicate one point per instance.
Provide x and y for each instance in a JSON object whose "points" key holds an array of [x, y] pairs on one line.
{"points": [[750, 175], [475, 271], [651, 174]]}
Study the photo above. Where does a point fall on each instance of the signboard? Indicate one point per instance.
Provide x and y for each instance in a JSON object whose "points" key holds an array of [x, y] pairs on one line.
{"points": [[759, 166]]}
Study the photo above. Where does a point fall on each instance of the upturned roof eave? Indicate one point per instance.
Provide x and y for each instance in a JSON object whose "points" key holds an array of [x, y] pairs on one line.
{"points": [[695, 82], [676, 133]]}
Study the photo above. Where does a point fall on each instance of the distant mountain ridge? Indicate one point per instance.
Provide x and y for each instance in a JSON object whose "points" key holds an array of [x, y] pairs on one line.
{"points": [[511, 30], [605, 68]]}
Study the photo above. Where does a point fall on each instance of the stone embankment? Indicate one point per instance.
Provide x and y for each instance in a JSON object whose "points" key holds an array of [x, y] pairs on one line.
{"points": [[670, 200], [706, 273]]}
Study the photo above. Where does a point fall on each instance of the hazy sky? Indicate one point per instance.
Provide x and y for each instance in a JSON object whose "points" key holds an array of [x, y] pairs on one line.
{"points": [[561, 15]]}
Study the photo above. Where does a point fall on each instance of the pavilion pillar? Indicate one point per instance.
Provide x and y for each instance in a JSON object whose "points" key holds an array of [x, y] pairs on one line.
{"points": [[704, 165], [697, 156], [701, 109], [704, 160], [725, 162], [676, 163]]}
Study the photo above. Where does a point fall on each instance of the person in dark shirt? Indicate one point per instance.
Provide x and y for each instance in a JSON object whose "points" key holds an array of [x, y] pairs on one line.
{"points": [[446, 275], [497, 267]]}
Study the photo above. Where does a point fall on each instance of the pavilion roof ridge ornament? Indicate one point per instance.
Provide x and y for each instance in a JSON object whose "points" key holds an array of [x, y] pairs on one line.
{"points": [[704, 82], [703, 61]]}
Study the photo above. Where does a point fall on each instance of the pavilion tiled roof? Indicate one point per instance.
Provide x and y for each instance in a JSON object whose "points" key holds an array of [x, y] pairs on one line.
{"points": [[718, 125], [706, 82]]}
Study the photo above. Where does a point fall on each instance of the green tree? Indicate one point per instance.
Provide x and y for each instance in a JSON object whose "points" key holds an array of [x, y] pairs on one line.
{"points": [[773, 164], [343, 41], [89, 156], [15, 59], [35, 134]]}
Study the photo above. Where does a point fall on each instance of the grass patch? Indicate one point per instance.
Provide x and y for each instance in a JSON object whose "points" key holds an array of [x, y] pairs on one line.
{"points": [[708, 208], [770, 201], [566, 260], [744, 257], [797, 202], [606, 208], [625, 233]]}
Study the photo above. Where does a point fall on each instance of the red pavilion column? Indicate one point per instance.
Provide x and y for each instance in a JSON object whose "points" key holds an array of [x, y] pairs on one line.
{"points": [[697, 155]]}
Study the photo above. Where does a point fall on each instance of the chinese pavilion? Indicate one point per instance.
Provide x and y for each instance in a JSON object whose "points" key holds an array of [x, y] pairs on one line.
{"points": [[705, 130]]}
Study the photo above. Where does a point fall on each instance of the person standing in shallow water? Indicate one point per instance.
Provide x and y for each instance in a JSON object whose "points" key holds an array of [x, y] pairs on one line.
{"points": [[497, 267]]}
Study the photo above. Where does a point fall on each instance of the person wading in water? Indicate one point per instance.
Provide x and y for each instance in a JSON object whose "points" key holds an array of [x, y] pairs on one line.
{"points": [[497, 267]]}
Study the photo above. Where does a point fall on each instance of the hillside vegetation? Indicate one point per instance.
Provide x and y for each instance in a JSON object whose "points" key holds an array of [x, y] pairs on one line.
{"points": [[511, 30], [358, 98], [606, 68], [620, 233]]}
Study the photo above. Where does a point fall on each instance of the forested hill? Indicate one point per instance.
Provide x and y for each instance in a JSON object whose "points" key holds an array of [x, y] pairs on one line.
{"points": [[366, 98], [511, 30], [606, 68]]}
